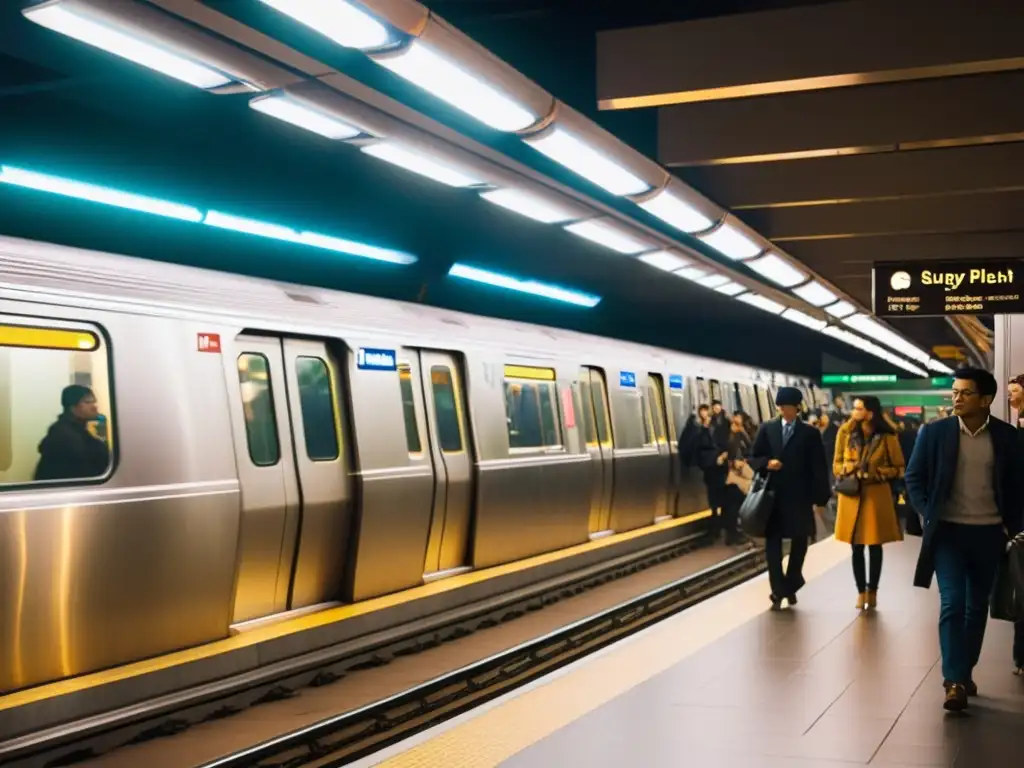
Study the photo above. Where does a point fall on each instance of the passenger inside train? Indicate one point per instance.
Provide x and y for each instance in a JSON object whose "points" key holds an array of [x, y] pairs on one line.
{"points": [[69, 449]]}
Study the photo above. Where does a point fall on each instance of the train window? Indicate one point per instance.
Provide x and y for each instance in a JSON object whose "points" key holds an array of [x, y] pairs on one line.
{"points": [[587, 413], [449, 433], [55, 408], [657, 407], [601, 412], [530, 410], [258, 407], [316, 401], [412, 430]]}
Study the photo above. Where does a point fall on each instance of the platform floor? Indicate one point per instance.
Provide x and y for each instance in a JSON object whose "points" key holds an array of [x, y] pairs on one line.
{"points": [[728, 683]]}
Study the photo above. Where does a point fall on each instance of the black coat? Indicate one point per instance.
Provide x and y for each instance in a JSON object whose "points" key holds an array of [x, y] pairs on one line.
{"points": [[69, 452], [930, 473], [800, 484]]}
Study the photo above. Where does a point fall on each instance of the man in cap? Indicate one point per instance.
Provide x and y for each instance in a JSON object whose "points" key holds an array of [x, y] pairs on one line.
{"points": [[792, 453]]}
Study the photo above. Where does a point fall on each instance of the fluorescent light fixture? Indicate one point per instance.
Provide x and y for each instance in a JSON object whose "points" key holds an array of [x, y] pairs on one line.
{"points": [[336, 19], [665, 260], [692, 273], [417, 162], [841, 309], [761, 302], [609, 235], [730, 242], [714, 281], [564, 148], [356, 249], [289, 110], [434, 73], [731, 289], [99, 35], [815, 294], [313, 239], [866, 346], [807, 321], [534, 287], [871, 328], [104, 195], [532, 206], [676, 212], [938, 367], [778, 270]]}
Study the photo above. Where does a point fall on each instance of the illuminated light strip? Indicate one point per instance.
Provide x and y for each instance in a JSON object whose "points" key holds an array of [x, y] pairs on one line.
{"points": [[528, 372], [47, 338], [77, 189], [519, 285], [114, 197]]}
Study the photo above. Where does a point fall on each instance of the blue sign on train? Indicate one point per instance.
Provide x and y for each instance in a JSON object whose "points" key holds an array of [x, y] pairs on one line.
{"points": [[376, 359], [627, 379], [675, 382]]}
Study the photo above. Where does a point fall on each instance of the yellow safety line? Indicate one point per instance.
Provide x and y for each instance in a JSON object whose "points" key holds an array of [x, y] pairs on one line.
{"points": [[321, 618], [498, 734]]}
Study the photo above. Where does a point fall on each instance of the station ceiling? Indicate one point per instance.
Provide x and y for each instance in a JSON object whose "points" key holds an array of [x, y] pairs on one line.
{"points": [[845, 132], [77, 113]]}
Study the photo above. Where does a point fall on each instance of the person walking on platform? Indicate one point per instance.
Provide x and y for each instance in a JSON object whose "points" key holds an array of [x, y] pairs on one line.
{"points": [[712, 455], [791, 451], [867, 459], [965, 479], [1016, 392]]}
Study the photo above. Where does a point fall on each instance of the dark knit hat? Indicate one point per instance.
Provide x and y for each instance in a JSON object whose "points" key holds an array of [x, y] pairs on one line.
{"points": [[788, 396]]}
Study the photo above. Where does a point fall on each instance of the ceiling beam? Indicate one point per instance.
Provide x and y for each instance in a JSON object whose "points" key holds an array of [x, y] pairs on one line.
{"points": [[887, 175], [832, 45], [869, 119]]}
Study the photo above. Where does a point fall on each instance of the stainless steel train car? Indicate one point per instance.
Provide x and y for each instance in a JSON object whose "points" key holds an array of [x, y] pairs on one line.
{"points": [[276, 448]]}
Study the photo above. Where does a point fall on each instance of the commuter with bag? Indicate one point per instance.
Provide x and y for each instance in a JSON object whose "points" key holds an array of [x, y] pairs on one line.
{"points": [[794, 478], [867, 460]]}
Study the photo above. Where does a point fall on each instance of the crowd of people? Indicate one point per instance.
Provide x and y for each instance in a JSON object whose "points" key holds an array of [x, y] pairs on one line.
{"points": [[956, 482]]}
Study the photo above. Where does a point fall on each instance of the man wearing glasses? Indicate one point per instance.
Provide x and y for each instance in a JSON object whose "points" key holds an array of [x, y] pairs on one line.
{"points": [[964, 478]]}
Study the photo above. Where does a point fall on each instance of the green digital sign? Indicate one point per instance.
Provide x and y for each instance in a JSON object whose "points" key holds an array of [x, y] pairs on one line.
{"points": [[859, 378]]}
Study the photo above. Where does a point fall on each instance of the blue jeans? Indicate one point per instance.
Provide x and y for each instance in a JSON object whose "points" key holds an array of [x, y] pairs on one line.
{"points": [[966, 559]]}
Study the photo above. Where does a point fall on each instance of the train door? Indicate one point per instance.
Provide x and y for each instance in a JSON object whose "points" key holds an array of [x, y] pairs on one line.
{"points": [[597, 421], [266, 471], [660, 422], [444, 396], [325, 490]]}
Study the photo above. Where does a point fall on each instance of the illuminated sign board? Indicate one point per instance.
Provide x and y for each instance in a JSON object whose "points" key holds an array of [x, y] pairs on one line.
{"points": [[858, 378], [935, 288]]}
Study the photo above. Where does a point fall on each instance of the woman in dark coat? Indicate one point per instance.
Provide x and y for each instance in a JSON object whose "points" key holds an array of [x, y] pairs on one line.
{"points": [[69, 451]]}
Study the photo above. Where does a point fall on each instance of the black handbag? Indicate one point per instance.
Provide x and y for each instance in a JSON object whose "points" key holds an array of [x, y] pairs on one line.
{"points": [[849, 485], [757, 507]]}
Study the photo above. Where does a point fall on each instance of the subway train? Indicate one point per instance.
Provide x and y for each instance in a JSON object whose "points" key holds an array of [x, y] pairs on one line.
{"points": [[275, 448]]}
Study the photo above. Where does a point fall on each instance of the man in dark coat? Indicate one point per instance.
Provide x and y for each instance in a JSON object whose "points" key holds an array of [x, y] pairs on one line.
{"points": [[69, 451], [964, 479], [792, 452]]}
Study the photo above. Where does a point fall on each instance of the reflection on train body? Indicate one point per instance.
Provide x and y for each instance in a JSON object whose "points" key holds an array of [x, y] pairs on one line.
{"points": [[283, 467]]}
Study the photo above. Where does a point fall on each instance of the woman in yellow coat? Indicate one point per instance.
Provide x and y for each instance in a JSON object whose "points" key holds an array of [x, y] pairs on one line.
{"points": [[868, 449]]}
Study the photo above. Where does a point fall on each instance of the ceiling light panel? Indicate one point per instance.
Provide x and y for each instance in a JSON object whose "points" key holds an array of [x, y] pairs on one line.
{"points": [[873, 329], [807, 321], [609, 235], [432, 72], [534, 287], [692, 273], [761, 302], [864, 345], [731, 289], [665, 260], [841, 309], [714, 281], [938, 367], [816, 294], [564, 148], [337, 20], [729, 241], [530, 205], [676, 212], [414, 159], [290, 110], [778, 270], [71, 19]]}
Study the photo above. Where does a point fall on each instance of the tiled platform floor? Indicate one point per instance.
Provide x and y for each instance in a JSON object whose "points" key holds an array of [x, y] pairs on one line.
{"points": [[818, 685]]}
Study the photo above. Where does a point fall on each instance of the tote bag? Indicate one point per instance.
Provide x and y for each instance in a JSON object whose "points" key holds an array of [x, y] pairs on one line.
{"points": [[757, 507]]}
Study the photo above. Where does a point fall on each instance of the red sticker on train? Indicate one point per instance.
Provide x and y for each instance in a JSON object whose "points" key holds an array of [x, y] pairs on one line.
{"points": [[568, 409], [208, 342]]}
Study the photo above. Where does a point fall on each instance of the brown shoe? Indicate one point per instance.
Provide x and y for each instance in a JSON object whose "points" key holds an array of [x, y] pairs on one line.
{"points": [[862, 600], [872, 599], [956, 698], [971, 688]]}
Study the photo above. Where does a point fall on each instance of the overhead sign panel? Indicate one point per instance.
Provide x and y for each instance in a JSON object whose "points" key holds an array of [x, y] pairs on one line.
{"points": [[930, 288], [858, 378]]}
